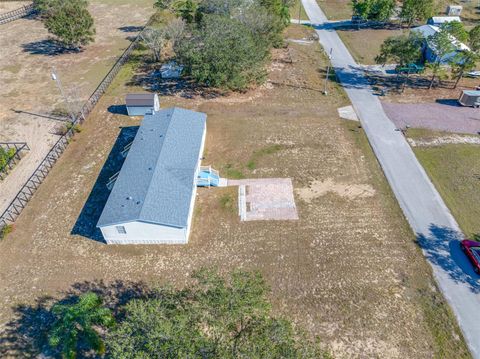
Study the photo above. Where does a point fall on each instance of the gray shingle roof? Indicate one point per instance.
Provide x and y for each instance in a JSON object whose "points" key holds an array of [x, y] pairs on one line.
{"points": [[156, 181], [140, 99]]}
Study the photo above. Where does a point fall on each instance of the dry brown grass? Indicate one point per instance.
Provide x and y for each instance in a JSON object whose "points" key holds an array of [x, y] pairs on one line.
{"points": [[336, 9], [348, 270]]}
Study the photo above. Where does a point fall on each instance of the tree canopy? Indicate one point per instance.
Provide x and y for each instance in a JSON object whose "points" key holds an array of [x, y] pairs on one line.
{"points": [[474, 38], [373, 10], [214, 318], [224, 317], [416, 10], [74, 325], [69, 20], [227, 43], [403, 49]]}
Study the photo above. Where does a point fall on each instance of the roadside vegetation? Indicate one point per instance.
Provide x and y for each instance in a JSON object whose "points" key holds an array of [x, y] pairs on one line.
{"points": [[68, 20], [215, 317]]}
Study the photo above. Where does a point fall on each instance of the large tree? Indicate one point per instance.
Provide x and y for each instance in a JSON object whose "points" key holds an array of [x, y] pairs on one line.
{"points": [[474, 38], [403, 50], [215, 318], [69, 20], [441, 44], [223, 52], [464, 61], [374, 10], [416, 10], [457, 30], [75, 325]]}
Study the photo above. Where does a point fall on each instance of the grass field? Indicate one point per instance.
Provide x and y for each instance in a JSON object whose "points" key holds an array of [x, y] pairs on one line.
{"points": [[348, 270], [455, 171], [365, 44], [336, 9]]}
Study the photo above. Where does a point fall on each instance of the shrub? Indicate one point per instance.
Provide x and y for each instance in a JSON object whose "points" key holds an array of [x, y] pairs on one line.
{"points": [[5, 231], [69, 20]]}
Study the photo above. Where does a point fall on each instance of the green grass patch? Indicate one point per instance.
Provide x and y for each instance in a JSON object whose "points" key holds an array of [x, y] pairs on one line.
{"points": [[227, 202], [232, 172], [455, 172], [257, 155], [5, 231], [442, 325]]}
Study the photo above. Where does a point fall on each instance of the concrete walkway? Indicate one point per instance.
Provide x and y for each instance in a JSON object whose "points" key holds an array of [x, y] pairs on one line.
{"points": [[436, 229]]}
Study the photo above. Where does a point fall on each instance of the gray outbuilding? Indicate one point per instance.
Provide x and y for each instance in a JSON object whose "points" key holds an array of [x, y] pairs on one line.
{"points": [[140, 104], [153, 197], [469, 98]]}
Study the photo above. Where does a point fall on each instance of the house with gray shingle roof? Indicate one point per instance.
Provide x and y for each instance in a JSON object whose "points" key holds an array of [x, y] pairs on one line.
{"points": [[153, 197]]}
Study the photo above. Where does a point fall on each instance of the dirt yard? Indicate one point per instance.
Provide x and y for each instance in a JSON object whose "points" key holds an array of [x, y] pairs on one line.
{"points": [[443, 116], [26, 61], [6, 6], [348, 270]]}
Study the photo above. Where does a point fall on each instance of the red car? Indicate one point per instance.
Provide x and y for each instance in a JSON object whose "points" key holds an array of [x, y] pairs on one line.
{"points": [[472, 250]]}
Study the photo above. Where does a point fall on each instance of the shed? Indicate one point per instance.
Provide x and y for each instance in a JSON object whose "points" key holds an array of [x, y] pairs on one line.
{"points": [[140, 104], [429, 52], [153, 197], [439, 20], [470, 98], [454, 10], [171, 70]]}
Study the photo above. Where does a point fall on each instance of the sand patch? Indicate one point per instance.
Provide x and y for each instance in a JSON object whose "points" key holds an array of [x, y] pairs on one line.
{"points": [[320, 188]]}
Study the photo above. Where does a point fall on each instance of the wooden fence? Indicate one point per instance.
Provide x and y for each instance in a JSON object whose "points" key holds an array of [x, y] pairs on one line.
{"points": [[17, 14], [27, 191]]}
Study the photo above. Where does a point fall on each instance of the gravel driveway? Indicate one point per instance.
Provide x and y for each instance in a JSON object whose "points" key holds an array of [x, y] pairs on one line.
{"points": [[447, 116]]}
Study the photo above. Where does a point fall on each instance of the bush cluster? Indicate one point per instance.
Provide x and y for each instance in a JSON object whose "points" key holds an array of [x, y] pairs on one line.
{"points": [[227, 42]]}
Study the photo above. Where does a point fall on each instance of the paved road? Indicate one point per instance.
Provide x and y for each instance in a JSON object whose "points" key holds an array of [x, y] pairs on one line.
{"points": [[436, 229]]}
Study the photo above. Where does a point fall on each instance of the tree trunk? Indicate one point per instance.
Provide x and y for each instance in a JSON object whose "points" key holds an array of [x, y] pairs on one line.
{"points": [[406, 80], [432, 81], [458, 79]]}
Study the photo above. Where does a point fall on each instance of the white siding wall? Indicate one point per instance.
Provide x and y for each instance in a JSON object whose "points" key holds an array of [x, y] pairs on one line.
{"points": [[139, 111], [148, 233], [145, 233]]}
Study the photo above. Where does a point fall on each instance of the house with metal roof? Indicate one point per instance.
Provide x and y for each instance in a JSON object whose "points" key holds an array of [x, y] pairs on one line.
{"points": [[140, 104], [429, 52], [153, 196], [439, 20]]}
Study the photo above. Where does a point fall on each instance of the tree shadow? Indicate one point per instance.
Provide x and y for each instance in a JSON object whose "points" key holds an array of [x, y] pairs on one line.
{"points": [[348, 25], [26, 336], [442, 249], [48, 47], [131, 28], [87, 220], [148, 77]]}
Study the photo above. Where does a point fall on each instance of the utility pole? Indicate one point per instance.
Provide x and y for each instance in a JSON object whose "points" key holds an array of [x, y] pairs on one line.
{"points": [[60, 87], [325, 91]]}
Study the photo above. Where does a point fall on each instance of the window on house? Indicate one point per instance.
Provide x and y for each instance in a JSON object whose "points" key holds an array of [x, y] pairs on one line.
{"points": [[121, 230]]}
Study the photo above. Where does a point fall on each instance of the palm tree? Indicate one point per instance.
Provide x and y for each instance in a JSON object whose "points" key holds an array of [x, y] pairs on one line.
{"points": [[75, 324]]}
